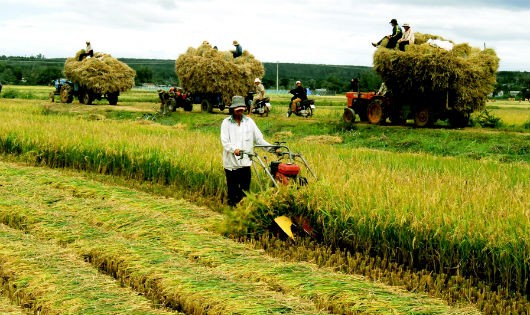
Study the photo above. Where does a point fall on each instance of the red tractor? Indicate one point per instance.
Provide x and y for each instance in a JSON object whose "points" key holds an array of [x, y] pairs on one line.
{"points": [[425, 109]]}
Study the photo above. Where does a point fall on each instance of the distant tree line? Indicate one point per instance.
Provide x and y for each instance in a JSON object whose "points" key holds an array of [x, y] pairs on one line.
{"points": [[38, 70]]}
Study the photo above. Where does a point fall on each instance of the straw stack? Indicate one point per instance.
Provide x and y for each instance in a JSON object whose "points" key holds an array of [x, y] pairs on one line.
{"points": [[207, 70], [464, 73], [101, 73]]}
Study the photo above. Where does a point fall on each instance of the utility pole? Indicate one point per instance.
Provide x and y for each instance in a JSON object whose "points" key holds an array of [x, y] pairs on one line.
{"points": [[277, 76]]}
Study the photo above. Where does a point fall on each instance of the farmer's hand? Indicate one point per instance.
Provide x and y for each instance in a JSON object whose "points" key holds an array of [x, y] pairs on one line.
{"points": [[237, 152]]}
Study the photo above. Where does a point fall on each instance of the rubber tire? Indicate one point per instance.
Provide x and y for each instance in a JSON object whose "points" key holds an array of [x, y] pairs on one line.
{"points": [[422, 117], [349, 115], [459, 119], [112, 98], [67, 95], [87, 98], [375, 112], [188, 106], [206, 106]]}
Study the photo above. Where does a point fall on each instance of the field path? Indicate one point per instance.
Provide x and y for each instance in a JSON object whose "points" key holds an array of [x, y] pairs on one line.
{"points": [[75, 245]]}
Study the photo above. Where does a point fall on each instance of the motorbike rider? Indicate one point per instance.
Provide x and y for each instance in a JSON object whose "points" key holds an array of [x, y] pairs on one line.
{"points": [[259, 94], [299, 95]]}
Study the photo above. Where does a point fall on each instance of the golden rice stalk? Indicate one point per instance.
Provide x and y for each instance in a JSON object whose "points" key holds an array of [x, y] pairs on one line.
{"points": [[102, 73], [207, 70]]}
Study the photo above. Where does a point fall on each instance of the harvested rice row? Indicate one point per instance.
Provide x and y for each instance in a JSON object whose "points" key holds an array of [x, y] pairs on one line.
{"points": [[167, 247], [47, 279], [7, 308]]}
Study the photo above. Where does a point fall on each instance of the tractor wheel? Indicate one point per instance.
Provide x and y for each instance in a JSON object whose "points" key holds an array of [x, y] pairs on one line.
{"points": [[67, 93], [171, 104], [112, 98], [266, 111], [81, 96], [422, 117], [188, 106], [206, 106], [349, 115], [375, 111], [459, 119], [87, 98]]}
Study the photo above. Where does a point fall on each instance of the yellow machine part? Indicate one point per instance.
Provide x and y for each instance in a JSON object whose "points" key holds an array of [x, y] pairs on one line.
{"points": [[285, 224]]}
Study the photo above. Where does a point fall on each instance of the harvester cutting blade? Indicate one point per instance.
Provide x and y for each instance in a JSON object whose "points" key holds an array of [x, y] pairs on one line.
{"points": [[285, 224]]}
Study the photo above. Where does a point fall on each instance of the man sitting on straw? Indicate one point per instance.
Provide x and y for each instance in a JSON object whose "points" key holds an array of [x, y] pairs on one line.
{"points": [[408, 37], [88, 51], [392, 39]]}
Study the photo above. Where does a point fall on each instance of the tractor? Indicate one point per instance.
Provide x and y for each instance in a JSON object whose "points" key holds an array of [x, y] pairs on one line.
{"points": [[425, 109], [67, 90]]}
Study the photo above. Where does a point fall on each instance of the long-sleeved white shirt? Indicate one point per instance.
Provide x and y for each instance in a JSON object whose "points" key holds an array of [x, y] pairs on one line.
{"points": [[408, 35], [243, 137]]}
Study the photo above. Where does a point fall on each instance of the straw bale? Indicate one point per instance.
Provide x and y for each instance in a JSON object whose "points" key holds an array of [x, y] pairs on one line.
{"points": [[424, 72], [207, 70], [101, 73]]}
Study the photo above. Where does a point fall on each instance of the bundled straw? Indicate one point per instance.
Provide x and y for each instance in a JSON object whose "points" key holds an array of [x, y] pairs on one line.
{"points": [[464, 73], [206, 70], [102, 73]]}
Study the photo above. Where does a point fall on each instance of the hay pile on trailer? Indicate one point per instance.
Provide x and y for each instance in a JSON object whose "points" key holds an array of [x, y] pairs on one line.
{"points": [[101, 73], [465, 74], [207, 70]]}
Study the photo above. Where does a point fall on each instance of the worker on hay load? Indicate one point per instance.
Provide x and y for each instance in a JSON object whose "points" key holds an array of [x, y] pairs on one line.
{"points": [[239, 133], [238, 51], [299, 95], [408, 37], [259, 94], [88, 51], [393, 38]]}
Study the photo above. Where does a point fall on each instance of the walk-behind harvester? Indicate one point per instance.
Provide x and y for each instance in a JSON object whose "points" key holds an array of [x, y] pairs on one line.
{"points": [[283, 171]]}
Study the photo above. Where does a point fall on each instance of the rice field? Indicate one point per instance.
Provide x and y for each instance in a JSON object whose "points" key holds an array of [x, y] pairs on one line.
{"points": [[86, 247], [439, 222]]}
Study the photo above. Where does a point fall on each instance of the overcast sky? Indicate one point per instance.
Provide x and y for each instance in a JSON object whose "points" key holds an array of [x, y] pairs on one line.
{"points": [[336, 32]]}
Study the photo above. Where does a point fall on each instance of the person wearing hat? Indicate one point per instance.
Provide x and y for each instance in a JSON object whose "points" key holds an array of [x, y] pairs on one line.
{"points": [[239, 133], [299, 95], [259, 94], [238, 51], [88, 51], [407, 38], [393, 38]]}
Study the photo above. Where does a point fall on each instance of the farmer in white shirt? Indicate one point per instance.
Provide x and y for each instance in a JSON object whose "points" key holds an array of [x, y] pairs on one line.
{"points": [[239, 134], [407, 38]]}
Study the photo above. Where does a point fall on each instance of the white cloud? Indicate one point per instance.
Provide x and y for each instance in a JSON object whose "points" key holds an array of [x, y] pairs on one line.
{"points": [[307, 31]]}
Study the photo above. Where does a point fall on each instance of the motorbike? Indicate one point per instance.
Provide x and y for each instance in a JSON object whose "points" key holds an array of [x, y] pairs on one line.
{"points": [[262, 107], [304, 108]]}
